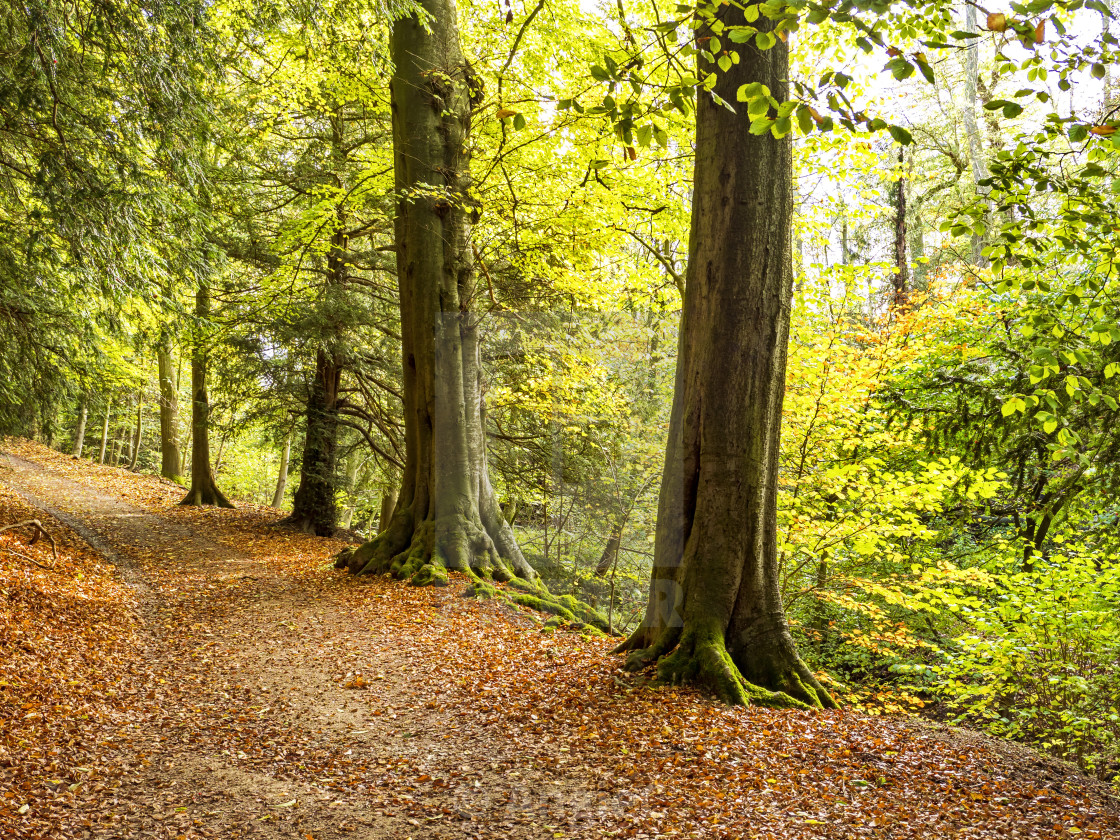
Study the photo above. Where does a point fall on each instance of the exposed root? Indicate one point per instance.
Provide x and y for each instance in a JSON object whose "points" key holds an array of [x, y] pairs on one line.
{"points": [[424, 555], [783, 670], [699, 656], [210, 496]]}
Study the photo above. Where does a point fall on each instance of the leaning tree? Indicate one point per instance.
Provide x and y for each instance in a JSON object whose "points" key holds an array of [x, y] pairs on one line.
{"points": [[714, 614], [447, 514]]}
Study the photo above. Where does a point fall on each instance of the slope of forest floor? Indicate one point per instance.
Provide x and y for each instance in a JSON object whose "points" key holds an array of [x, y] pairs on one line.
{"points": [[198, 673]]}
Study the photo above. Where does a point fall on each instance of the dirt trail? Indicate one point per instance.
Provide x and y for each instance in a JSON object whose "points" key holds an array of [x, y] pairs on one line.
{"points": [[266, 661], [271, 697]]}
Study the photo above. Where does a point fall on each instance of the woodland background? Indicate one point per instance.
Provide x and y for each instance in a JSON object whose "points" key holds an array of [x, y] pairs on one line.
{"points": [[949, 451]]}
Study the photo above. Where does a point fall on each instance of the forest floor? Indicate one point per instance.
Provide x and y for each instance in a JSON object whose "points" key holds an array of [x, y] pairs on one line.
{"points": [[201, 673]]}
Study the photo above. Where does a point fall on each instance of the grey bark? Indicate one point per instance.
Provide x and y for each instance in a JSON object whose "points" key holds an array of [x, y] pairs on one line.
{"points": [[972, 129], [388, 505], [282, 478], [105, 432], [138, 433], [715, 615], [447, 514], [80, 437], [171, 460]]}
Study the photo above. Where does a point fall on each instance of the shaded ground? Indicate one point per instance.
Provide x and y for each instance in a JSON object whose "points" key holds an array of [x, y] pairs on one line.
{"points": [[205, 674]]}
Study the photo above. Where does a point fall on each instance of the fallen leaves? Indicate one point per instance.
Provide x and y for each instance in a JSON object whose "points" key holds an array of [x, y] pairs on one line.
{"points": [[340, 700]]}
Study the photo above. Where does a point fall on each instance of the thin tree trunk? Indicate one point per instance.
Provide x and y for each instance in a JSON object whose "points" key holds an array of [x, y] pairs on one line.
{"points": [[715, 615], [388, 505], [139, 431], [105, 432], [447, 516], [972, 130], [352, 469], [204, 489], [900, 280], [80, 437], [610, 550], [171, 460], [282, 478]]}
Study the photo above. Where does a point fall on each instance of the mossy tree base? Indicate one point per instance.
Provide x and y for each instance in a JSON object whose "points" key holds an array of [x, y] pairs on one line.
{"points": [[206, 496], [435, 548], [699, 656]]}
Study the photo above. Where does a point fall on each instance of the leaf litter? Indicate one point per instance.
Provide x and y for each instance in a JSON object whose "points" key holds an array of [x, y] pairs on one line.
{"points": [[214, 677]]}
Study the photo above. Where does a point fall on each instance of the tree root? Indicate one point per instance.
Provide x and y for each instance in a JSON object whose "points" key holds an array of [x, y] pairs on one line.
{"points": [[700, 656], [425, 554], [211, 496]]}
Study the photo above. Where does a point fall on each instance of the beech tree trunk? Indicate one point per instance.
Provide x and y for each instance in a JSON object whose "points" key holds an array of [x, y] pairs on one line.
{"points": [[313, 507], [135, 459], [447, 515], [715, 615], [388, 504], [171, 466], [972, 130], [204, 489], [80, 437], [105, 432], [282, 478]]}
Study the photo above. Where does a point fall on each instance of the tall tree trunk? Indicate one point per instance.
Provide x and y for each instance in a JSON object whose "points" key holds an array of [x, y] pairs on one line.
{"points": [[313, 507], [900, 280], [105, 432], [388, 505], [282, 478], [80, 437], [353, 467], [715, 615], [139, 431], [917, 244], [447, 514], [204, 489], [171, 463], [972, 130]]}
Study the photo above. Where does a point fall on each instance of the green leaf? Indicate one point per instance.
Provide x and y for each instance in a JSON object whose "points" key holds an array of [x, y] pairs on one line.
{"points": [[900, 134]]}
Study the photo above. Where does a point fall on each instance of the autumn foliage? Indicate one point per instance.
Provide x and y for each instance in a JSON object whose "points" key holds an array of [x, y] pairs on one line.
{"points": [[244, 684]]}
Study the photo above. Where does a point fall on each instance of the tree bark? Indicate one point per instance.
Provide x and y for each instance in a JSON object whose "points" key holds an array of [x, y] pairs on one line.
{"points": [[171, 466], [900, 281], [972, 130], [204, 489], [714, 615], [137, 436], [388, 504], [80, 437], [610, 550], [314, 506], [314, 510], [282, 478], [447, 516], [105, 432]]}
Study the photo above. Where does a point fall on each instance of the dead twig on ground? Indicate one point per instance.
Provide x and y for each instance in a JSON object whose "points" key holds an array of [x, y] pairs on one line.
{"points": [[40, 531]]}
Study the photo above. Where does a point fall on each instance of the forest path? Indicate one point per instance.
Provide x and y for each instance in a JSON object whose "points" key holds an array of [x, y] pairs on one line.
{"points": [[270, 696], [250, 728]]}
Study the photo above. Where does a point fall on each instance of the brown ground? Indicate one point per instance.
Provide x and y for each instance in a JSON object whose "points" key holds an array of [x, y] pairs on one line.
{"points": [[188, 677]]}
